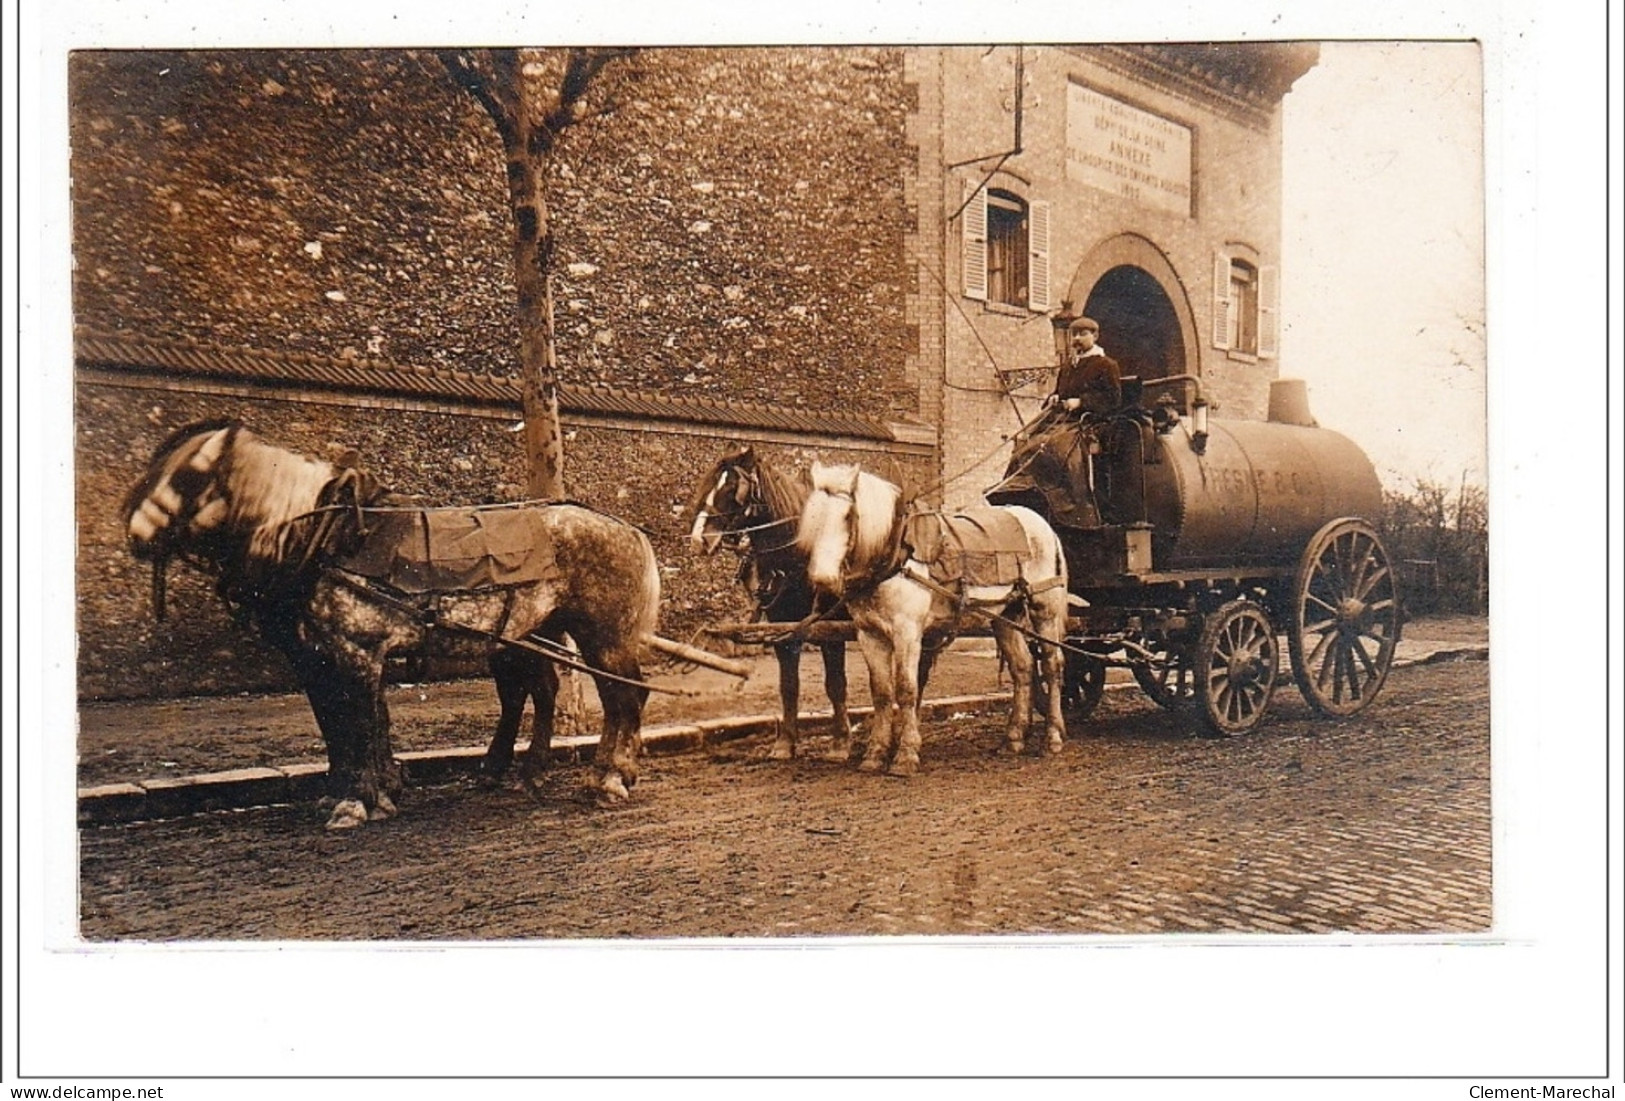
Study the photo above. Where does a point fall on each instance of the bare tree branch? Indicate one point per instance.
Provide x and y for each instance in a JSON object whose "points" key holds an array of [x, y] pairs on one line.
{"points": [[489, 94], [580, 70]]}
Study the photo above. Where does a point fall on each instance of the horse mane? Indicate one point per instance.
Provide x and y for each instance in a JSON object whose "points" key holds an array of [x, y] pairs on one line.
{"points": [[875, 502], [782, 494], [874, 508], [270, 487]]}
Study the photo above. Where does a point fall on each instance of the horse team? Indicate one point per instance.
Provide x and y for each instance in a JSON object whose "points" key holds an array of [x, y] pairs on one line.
{"points": [[281, 534]]}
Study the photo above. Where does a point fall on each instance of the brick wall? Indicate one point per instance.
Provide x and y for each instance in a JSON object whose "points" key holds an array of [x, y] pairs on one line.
{"points": [[731, 228], [647, 477], [1236, 181]]}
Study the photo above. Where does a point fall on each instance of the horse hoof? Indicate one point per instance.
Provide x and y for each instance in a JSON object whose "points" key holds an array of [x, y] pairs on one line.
{"points": [[611, 791], [1015, 748], [840, 753], [1053, 744], [382, 810], [904, 766], [783, 750], [871, 764], [347, 815]]}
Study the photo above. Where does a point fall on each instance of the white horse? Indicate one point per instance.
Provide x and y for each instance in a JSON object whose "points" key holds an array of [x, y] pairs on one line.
{"points": [[861, 547]]}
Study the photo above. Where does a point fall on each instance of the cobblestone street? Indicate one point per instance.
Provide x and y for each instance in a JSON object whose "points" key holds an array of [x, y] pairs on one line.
{"points": [[1376, 825]]}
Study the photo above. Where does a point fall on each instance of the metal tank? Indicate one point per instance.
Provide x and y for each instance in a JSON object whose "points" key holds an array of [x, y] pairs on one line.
{"points": [[1255, 494]]}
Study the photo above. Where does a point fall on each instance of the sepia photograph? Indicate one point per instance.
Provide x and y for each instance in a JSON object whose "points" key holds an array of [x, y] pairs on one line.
{"points": [[529, 413], [680, 520]]}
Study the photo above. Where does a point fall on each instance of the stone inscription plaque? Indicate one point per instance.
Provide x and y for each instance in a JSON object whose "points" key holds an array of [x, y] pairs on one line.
{"points": [[1129, 152]]}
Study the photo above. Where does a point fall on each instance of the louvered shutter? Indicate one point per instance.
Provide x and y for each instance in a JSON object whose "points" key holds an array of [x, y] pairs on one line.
{"points": [[973, 224], [1269, 312], [1038, 256], [1223, 323]]}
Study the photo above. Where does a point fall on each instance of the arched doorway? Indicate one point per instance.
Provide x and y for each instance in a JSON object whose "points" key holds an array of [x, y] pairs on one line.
{"points": [[1138, 326], [1146, 323]]}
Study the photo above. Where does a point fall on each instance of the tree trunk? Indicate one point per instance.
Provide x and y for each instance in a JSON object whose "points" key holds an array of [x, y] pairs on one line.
{"points": [[532, 265]]}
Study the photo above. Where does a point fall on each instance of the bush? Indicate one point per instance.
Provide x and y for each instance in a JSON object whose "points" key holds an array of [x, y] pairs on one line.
{"points": [[1438, 539]]}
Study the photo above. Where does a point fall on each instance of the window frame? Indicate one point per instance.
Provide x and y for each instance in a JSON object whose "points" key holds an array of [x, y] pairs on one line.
{"points": [[1246, 312], [997, 262]]}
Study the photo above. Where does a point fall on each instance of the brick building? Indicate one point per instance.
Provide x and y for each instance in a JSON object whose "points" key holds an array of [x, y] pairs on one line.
{"points": [[837, 252], [1140, 185]]}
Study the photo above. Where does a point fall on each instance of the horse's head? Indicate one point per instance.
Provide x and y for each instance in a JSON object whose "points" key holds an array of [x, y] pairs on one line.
{"points": [[847, 525], [216, 492], [180, 496], [724, 502]]}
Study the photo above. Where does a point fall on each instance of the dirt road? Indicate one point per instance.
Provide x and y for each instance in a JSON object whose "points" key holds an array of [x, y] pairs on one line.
{"points": [[1381, 823]]}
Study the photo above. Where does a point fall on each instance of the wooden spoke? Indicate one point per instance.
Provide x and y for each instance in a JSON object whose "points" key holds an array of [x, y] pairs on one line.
{"points": [[1084, 685], [1345, 618], [1167, 677], [1235, 667]]}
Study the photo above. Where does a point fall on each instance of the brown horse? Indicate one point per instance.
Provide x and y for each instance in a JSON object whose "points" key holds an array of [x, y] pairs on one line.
{"points": [[337, 579], [752, 507]]}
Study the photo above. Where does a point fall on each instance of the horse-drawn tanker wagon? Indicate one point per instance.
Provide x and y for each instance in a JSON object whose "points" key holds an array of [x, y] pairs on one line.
{"points": [[1193, 543]]}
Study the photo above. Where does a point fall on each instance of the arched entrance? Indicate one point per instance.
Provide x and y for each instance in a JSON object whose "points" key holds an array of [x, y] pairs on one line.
{"points": [[1139, 328], [1146, 324]]}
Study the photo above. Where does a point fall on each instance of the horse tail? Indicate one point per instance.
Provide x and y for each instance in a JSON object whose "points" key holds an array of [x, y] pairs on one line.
{"points": [[647, 612]]}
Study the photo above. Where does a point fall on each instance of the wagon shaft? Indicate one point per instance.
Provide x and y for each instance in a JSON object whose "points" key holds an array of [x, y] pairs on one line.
{"points": [[684, 652]]}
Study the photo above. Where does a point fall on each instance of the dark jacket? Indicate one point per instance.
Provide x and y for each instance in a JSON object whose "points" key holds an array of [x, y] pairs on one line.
{"points": [[1096, 380]]}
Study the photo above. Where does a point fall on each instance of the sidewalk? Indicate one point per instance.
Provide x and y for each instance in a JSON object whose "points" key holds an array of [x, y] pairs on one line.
{"points": [[159, 758]]}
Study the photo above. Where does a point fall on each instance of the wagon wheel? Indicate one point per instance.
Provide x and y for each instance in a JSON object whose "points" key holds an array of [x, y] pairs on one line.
{"points": [[1235, 667], [1345, 619], [1084, 684], [1167, 677]]}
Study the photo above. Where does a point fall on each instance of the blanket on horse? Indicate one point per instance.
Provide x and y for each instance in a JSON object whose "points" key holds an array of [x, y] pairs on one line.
{"points": [[978, 546], [454, 549]]}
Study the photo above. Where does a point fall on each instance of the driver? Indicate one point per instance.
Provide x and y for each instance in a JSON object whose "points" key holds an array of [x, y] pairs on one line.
{"points": [[1091, 382]]}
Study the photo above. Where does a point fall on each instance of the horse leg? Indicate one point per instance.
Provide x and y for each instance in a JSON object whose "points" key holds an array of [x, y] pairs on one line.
{"points": [[928, 662], [843, 747], [789, 655], [1019, 659], [616, 760], [382, 779], [542, 686], [907, 657], [877, 655], [329, 702], [1052, 625], [511, 696]]}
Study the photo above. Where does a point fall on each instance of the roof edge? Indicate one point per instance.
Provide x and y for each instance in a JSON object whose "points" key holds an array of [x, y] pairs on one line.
{"points": [[138, 354]]}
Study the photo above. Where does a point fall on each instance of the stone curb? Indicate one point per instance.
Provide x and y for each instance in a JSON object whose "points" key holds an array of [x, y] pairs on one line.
{"points": [[237, 789]]}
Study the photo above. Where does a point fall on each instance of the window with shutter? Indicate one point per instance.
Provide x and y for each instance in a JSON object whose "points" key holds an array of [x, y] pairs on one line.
{"points": [[1224, 325], [1269, 312], [973, 228], [1243, 307], [1038, 274], [1007, 252]]}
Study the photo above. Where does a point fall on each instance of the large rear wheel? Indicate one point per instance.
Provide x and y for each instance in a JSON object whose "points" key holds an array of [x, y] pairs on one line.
{"points": [[1345, 619]]}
